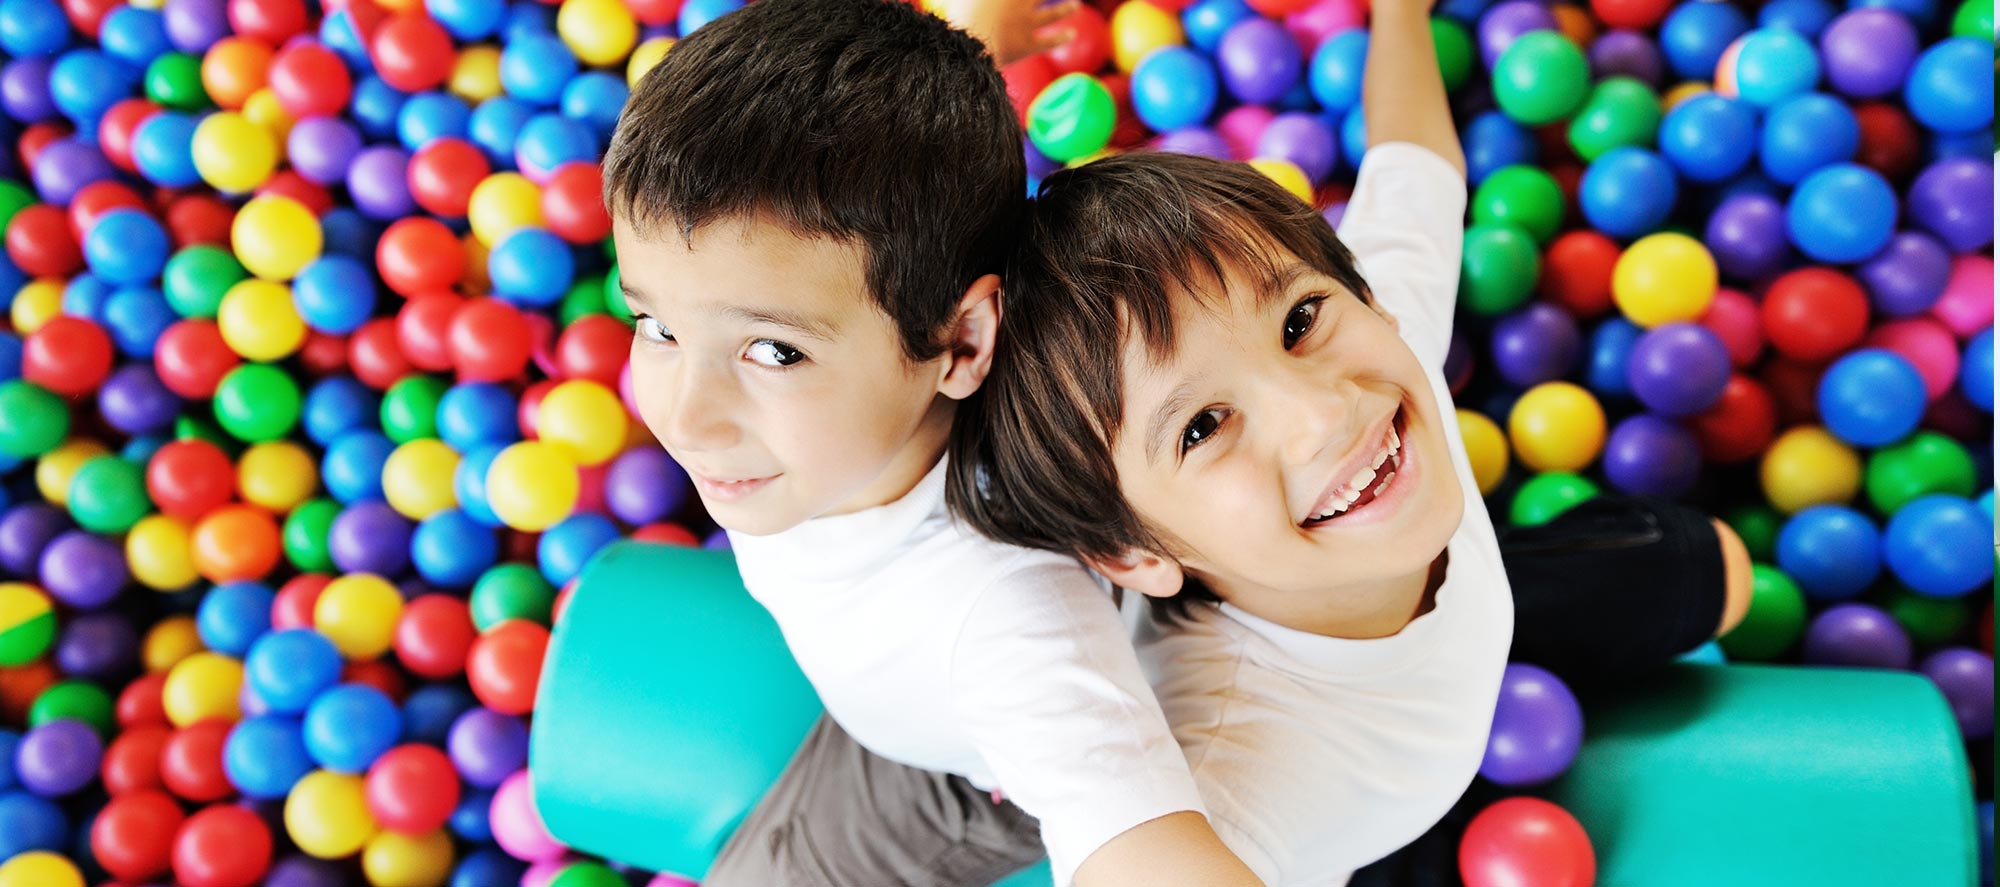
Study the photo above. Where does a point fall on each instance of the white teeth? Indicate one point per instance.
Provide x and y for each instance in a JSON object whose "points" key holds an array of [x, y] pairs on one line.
{"points": [[1362, 479], [1386, 479], [1395, 441]]}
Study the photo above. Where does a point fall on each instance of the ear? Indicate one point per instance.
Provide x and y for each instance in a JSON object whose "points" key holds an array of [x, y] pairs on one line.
{"points": [[974, 327], [1145, 572]]}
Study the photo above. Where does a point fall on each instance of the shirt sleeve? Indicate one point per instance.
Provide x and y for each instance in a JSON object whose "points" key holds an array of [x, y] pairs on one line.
{"points": [[1048, 688], [1405, 226]]}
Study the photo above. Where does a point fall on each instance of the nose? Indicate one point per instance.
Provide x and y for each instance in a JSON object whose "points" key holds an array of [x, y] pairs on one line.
{"points": [[695, 414], [1309, 415]]}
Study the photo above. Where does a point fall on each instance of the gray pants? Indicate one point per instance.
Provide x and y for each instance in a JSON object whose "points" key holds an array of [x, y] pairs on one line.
{"points": [[842, 816]]}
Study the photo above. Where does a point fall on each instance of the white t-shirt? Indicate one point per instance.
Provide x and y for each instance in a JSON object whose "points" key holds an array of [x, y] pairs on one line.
{"points": [[938, 648], [1318, 755]]}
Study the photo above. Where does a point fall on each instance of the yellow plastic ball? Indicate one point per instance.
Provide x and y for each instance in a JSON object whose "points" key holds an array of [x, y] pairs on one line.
{"points": [[476, 282], [475, 77], [1485, 448], [398, 860], [277, 476], [201, 686], [56, 467], [1664, 278], [35, 303], [584, 420], [1139, 28], [1556, 426], [275, 237], [39, 868], [259, 321], [358, 613], [1808, 466], [263, 109], [501, 204], [171, 640], [234, 153], [532, 485], [1287, 174], [401, 5], [327, 815], [417, 478], [600, 32], [1681, 93], [27, 624], [648, 54], [157, 553]]}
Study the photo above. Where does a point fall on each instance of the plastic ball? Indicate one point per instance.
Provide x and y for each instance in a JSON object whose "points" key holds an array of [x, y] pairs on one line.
{"points": [[1833, 551], [1868, 52], [1541, 78], [133, 836], [126, 246], [1498, 268], [222, 846], [1258, 60], [1072, 118], [412, 52], [58, 758], [1814, 313], [505, 664], [1556, 426], [358, 612], [347, 727], [1857, 636], [531, 268], [1137, 32], [412, 789], [257, 403], [327, 816], [501, 204], [1620, 112], [417, 478], [1871, 397], [1537, 728], [232, 153], [516, 825], [259, 321], [1767, 66], [1908, 276], [1520, 195], [265, 756], [532, 485], [69, 356], [1966, 678], [1935, 545], [1678, 369], [288, 669], [1949, 199], [1842, 213], [275, 237], [1808, 466], [1174, 88], [1806, 133], [39, 868], [1526, 840], [572, 204], [27, 624], [1538, 344], [434, 636], [1949, 88], [1664, 278], [1628, 192]]}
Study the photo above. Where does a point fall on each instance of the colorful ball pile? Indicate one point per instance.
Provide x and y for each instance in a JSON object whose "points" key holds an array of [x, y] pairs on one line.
{"points": [[313, 397]]}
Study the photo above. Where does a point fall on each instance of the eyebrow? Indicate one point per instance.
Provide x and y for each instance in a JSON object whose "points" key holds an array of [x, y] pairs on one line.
{"points": [[1276, 282], [1163, 416], [800, 323]]}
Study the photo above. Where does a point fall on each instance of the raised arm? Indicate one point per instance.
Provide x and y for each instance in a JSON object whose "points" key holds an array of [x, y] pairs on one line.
{"points": [[1402, 93], [1011, 29]]}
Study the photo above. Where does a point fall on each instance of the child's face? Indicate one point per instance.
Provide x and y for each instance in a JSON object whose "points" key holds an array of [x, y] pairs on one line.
{"points": [[763, 366], [1281, 399]]}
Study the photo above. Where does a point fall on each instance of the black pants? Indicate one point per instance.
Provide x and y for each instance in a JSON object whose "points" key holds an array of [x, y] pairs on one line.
{"points": [[1613, 588]]}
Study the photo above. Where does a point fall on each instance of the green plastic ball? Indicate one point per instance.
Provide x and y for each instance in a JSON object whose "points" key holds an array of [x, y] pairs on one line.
{"points": [[1621, 111], [174, 81], [511, 591], [257, 402], [77, 701], [409, 408], [1928, 462], [108, 495], [1498, 269], [1758, 526], [305, 535], [1521, 195], [1541, 78], [1073, 117], [14, 197], [1974, 19], [1931, 621], [196, 278], [1776, 618], [27, 624], [33, 419], [1547, 495], [587, 874], [1454, 52], [614, 297], [192, 427], [585, 297]]}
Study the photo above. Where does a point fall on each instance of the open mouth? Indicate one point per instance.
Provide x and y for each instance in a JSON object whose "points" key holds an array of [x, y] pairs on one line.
{"points": [[1371, 482]]}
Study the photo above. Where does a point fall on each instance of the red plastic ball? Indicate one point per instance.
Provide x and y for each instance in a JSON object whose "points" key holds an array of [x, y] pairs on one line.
{"points": [[1026, 79], [1794, 387], [142, 703], [88, 15], [40, 243], [412, 52], [423, 329], [191, 358], [1129, 131], [222, 846], [491, 341], [412, 789], [1635, 14], [531, 408], [1890, 144], [376, 356], [92, 201], [199, 218], [434, 636], [133, 836], [506, 664], [67, 355], [1576, 273], [236, 543], [1268, 8], [667, 534], [443, 173], [1526, 841], [655, 12], [594, 347], [1740, 426], [1089, 49], [378, 674], [294, 603], [190, 477], [191, 762], [308, 79], [573, 203], [288, 183], [418, 254], [132, 761], [1734, 318], [115, 129], [273, 21], [323, 354], [1815, 313]]}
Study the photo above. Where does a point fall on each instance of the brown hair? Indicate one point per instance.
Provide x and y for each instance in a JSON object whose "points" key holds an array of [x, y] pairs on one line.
{"points": [[865, 121], [1108, 247]]}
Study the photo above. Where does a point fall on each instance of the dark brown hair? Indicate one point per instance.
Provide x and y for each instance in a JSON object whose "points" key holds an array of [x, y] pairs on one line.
{"points": [[865, 121], [1109, 250]]}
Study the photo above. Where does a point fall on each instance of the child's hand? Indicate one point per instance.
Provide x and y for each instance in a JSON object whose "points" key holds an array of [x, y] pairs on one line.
{"points": [[1011, 29]]}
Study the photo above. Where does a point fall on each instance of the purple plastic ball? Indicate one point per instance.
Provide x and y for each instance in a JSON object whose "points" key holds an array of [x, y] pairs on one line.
{"points": [[1537, 728], [1678, 369], [645, 485], [1304, 139], [135, 401], [1867, 53], [1259, 61], [1857, 636], [1966, 677], [304, 871], [1506, 22], [58, 758], [83, 569], [24, 531], [1647, 455], [323, 148], [1628, 54], [1952, 198], [1537, 344], [370, 537], [24, 90], [66, 166], [193, 25], [1194, 140], [378, 180], [487, 746], [1908, 275], [1039, 164], [98, 646], [1747, 236]]}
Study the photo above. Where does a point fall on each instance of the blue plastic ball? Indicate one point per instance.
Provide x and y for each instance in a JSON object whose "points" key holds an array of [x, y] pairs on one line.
{"points": [[341, 32], [1694, 35], [451, 550], [133, 35], [349, 233], [550, 140], [596, 98], [531, 268], [1951, 87], [86, 82], [1871, 398], [349, 726], [1921, 12], [1628, 192], [232, 616], [431, 710], [1709, 138], [1937, 545], [473, 414], [1832, 551], [85, 295], [335, 294], [136, 317], [1807, 133], [488, 867], [265, 756], [1610, 356], [1354, 136], [429, 116], [494, 127], [468, 20], [375, 106], [1842, 213], [527, 20], [30, 822], [288, 669], [336, 405], [126, 246], [1774, 64], [30, 28], [1337, 67], [1494, 141], [534, 68], [1205, 22], [1804, 17], [468, 483], [1173, 88], [566, 547], [695, 13], [1975, 370], [352, 466]]}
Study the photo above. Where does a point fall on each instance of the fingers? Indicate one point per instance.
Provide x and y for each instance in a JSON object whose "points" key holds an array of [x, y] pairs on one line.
{"points": [[1052, 38], [1055, 12]]}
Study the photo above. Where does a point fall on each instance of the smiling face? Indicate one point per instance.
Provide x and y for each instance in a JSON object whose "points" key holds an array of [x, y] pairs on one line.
{"points": [[1288, 444], [767, 371]]}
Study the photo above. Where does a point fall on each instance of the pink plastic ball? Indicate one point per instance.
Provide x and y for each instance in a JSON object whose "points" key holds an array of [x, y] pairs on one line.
{"points": [[541, 873], [1313, 24], [665, 880], [516, 826], [1242, 127], [1927, 344], [1733, 317], [1967, 304]]}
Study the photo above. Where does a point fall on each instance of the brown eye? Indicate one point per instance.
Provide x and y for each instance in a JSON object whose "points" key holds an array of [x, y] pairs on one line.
{"points": [[772, 353], [1198, 431], [1300, 320]]}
